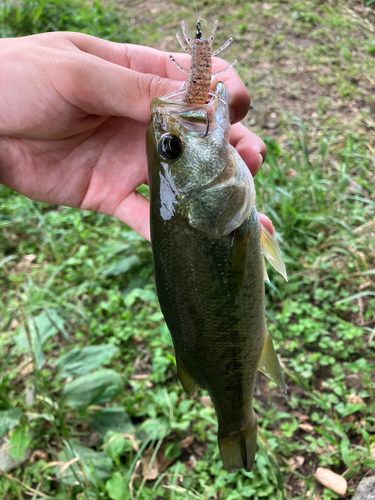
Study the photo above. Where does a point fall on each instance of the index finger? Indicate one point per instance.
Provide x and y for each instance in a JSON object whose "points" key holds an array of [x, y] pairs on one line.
{"points": [[153, 61], [249, 146]]}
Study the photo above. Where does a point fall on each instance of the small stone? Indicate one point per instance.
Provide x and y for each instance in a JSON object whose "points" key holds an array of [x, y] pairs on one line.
{"points": [[7, 462], [366, 489], [267, 6], [331, 480], [29, 395]]}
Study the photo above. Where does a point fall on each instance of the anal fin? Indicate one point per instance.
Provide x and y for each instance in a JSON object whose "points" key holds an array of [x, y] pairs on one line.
{"points": [[269, 363], [187, 382]]}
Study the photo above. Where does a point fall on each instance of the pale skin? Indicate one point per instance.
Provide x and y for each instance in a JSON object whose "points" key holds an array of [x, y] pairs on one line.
{"points": [[74, 113]]}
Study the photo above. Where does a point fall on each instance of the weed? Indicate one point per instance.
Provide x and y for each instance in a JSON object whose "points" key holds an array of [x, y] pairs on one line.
{"points": [[90, 403]]}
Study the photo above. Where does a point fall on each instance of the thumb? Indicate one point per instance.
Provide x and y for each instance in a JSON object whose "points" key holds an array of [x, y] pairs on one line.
{"points": [[100, 87]]}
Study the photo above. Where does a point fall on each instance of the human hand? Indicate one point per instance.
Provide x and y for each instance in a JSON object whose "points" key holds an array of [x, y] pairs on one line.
{"points": [[74, 113]]}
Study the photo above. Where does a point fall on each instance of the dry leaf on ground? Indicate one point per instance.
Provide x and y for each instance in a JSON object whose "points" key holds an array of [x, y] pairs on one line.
{"points": [[150, 471]]}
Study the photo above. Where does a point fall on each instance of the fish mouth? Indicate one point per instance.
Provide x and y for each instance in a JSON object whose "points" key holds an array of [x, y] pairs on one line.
{"points": [[200, 120]]}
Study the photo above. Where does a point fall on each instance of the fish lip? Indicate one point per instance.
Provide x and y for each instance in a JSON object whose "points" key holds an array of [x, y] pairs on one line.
{"points": [[199, 118], [221, 103]]}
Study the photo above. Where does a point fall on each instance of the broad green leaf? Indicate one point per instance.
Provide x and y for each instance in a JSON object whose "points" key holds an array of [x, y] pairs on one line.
{"points": [[158, 316], [85, 360], [42, 327], [19, 442], [344, 447], [139, 293], [122, 266], [116, 487], [165, 335], [172, 451], [155, 428], [116, 444], [94, 388], [95, 465], [115, 419], [360, 364], [9, 419]]}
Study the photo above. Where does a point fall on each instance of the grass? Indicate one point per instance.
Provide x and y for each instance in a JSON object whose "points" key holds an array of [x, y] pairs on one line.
{"points": [[78, 298]]}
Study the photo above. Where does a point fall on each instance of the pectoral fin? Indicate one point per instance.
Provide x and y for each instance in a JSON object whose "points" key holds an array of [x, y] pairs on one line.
{"points": [[269, 363], [190, 387], [272, 252]]}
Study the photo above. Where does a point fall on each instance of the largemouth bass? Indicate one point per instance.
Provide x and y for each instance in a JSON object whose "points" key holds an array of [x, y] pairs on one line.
{"points": [[208, 247]]}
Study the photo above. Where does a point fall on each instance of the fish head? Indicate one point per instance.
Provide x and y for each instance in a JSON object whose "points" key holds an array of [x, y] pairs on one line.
{"points": [[194, 170]]}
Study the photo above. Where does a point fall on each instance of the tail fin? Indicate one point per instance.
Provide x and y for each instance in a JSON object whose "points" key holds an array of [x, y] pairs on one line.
{"points": [[238, 449]]}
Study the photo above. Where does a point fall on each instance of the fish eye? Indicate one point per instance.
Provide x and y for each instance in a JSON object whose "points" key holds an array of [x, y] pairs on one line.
{"points": [[170, 147]]}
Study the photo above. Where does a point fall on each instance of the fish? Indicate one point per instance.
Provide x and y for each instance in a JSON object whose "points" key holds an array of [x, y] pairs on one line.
{"points": [[208, 250]]}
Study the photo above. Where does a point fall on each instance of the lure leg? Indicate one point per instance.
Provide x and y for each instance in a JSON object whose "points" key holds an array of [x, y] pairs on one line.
{"points": [[225, 69], [220, 49], [213, 33], [182, 44], [174, 94], [217, 96], [178, 65], [186, 34]]}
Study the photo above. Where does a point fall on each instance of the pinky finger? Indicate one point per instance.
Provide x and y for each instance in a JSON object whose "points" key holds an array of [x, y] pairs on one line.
{"points": [[266, 222], [135, 212]]}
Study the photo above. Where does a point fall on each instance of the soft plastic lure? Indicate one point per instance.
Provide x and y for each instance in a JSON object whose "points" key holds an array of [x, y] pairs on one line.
{"points": [[197, 86]]}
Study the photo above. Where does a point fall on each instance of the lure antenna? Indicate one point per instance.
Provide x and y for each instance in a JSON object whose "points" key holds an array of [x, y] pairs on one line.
{"points": [[198, 26]]}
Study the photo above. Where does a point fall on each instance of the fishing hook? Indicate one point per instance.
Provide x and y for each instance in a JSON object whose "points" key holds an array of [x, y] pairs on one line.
{"points": [[207, 125]]}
